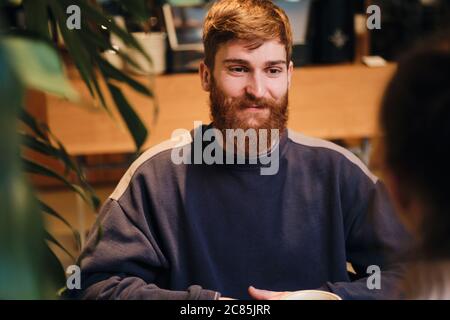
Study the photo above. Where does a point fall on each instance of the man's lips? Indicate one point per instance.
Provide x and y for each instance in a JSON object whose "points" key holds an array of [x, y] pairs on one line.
{"points": [[254, 107]]}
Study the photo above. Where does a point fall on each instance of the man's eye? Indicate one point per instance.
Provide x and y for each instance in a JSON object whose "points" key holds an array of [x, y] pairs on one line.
{"points": [[238, 69], [274, 71]]}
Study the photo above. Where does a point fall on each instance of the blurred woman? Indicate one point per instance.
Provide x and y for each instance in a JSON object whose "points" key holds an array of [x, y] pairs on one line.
{"points": [[415, 120]]}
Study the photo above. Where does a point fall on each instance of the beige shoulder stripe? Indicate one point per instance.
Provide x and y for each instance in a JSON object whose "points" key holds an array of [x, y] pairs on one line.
{"points": [[175, 142], [315, 142]]}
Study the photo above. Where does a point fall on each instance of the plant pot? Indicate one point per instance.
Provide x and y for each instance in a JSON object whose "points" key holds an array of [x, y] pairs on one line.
{"points": [[154, 44]]}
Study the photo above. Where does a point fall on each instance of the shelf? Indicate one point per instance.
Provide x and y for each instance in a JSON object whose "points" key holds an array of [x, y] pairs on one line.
{"points": [[331, 102]]}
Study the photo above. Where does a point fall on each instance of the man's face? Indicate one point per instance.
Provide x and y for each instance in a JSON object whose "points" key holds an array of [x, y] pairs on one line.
{"points": [[249, 87]]}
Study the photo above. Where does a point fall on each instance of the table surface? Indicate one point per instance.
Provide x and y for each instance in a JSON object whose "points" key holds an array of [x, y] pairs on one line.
{"points": [[330, 102]]}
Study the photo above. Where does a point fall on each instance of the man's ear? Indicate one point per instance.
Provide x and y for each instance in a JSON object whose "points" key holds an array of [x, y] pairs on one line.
{"points": [[205, 76], [290, 71]]}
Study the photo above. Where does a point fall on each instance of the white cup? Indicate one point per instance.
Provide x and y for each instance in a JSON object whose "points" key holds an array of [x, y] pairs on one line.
{"points": [[311, 295], [154, 44]]}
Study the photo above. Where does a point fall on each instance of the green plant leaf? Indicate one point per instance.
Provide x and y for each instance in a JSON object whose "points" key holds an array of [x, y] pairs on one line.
{"points": [[137, 8], [80, 42], [33, 167], [34, 61], [52, 239], [77, 52], [55, 271], [45, 147], [155, 109], [31, 123], [111, 72], [37, 17], [99, 18], [95, 40], [80, 53], [132, 120], [27, 270], [47, 209], [23, 273]]}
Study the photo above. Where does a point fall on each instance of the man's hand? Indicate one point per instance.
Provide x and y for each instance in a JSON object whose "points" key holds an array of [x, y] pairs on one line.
{"points": [[259, 294]]}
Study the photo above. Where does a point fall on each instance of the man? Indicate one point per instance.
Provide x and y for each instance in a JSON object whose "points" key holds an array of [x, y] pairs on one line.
{"points": [[190, 230]]}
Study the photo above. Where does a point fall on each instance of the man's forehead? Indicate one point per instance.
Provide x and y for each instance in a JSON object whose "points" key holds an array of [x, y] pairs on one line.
{"points": [[235, 51]]}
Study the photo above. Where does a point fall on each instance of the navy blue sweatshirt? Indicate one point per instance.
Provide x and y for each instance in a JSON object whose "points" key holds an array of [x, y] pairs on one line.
{"points": [[198, 231]]}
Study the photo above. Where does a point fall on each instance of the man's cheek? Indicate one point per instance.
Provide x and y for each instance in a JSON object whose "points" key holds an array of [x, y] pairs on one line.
{"points": [[234, 88], [278, 92]]}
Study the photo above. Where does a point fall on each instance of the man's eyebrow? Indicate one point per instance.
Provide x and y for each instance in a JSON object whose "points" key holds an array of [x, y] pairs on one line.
{"points": [[239, 61], [276, 62], [245, 62]]}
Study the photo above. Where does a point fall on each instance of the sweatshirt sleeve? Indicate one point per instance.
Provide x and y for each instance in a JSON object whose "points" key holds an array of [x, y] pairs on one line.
{"points": [[375, 240], [125, 261]]}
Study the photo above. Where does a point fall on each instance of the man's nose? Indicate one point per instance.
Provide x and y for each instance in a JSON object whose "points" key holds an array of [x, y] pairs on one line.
{"points": [[256, 86]]}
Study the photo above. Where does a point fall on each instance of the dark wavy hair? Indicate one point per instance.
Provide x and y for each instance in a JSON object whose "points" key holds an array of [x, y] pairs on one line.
{"points": [[415, 120]]}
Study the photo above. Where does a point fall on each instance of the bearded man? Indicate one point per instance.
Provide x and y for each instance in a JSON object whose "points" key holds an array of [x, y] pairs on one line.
{"points": [[210, 230]]}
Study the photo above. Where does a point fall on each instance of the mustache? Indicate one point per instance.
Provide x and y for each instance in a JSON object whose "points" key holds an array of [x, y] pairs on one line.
{"points": [[247, 102], [226, 111]]}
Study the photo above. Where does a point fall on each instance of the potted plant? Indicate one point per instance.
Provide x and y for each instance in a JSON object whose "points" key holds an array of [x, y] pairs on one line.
{"points": [[31, 59]]}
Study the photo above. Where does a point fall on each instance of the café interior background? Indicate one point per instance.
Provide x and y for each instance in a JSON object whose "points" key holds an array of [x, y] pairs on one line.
{"points": [[331, 43]]}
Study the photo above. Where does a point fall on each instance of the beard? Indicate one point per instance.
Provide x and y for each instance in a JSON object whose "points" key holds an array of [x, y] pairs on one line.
{"points": [[237, 113]]}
